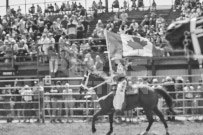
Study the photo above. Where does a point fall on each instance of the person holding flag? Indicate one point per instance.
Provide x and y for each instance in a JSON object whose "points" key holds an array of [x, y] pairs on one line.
{"points": [[120, 76]]}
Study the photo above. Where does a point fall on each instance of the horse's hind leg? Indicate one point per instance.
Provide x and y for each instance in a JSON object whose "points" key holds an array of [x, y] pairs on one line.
{"points": [[111, 123], [161, 116], [99, 112], [150, 120]]}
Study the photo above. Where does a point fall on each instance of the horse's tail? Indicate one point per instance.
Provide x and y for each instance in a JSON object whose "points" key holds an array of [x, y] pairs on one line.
{"points": [[167, 98]]}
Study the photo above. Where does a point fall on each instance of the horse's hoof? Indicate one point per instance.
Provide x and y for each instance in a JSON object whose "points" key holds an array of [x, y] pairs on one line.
{"points": [[94, 130], [167, 133]]}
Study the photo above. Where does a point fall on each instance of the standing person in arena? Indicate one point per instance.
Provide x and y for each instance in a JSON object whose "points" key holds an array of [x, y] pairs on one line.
{"points": [[26, 92], [59, 99], [38, 92], [170, 87], [120, 74], [54, 99], [69, 103]]}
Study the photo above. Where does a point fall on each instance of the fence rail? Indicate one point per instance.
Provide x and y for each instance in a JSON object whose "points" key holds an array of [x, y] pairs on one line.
{"points": [[67, 105]]}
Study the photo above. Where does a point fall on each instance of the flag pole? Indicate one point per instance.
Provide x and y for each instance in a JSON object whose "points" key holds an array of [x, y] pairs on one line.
{"points": [[108, 51]]}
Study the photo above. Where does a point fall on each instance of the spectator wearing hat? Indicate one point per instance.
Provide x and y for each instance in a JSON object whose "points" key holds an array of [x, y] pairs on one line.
{"points": [[8, 52], [72, 30]]}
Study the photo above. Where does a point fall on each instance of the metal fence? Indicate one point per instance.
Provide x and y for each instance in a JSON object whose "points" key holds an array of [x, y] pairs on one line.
{"points": [[71, 104]]}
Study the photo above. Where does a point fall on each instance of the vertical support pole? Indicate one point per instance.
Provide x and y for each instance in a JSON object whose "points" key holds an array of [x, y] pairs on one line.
{"points": [[25, 7], [7, 5], [107, 5]]}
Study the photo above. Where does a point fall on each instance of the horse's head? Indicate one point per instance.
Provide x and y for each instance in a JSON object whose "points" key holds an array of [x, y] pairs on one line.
{"points": [[179, 34]]}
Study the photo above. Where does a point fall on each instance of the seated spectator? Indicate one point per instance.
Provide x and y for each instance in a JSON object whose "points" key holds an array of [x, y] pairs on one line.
{"points": [[145, 21], [94, 6], [98, 65], [68, 6], [100, 6], [21, 50], [99, 25], [80, 29], [39, 10], [140, 3], [72, 30], [8, 52], [115, 4], [84, 47], [125, 4], [64, 22], [57, 9], [51, 40], [123, 28], [124, 16], [116, 19], [2, 50], [83, 12], [134, 4], [153, 6], [51, 8], [159, 21], [134, 24], [86, 25], [63, 7], [89, 62], [45, 44], [32, 9]]}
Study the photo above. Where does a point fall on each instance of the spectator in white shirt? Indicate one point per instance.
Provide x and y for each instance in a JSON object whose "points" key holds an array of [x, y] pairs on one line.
{"points": [[134, 24], [124, 16], [26, 93]]}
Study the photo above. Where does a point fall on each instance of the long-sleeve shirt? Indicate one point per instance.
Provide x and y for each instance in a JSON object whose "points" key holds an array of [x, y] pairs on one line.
{"points": [[27, 94]]}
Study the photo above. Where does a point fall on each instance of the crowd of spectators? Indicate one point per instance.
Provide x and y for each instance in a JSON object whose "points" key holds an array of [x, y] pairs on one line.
{"points": [[189, 8], [33, 101]]}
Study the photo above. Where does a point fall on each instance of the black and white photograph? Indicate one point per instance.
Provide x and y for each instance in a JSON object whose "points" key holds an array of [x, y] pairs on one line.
{"points": [[101, 67]]}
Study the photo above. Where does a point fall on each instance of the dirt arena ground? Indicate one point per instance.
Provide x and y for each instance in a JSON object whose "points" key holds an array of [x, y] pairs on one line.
{"points": [[176, 128]]}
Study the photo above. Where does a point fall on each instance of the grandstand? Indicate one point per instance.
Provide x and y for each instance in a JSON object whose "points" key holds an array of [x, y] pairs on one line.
{"points": [[41, 46]]}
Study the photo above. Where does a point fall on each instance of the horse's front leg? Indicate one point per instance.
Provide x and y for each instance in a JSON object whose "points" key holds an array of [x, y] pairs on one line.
{"points": [[111, 123], [99, 112]]}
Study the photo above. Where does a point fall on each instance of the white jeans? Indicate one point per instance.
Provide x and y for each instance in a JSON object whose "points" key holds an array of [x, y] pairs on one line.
{"points": [[53, 65]]}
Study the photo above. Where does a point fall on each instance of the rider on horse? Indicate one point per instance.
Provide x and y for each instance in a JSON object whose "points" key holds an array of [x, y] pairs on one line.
{"points": [[120, 77]]}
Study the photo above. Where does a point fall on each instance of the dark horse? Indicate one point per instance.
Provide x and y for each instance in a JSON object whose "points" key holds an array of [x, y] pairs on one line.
{"points": [[146, 97], [180, 35]]}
